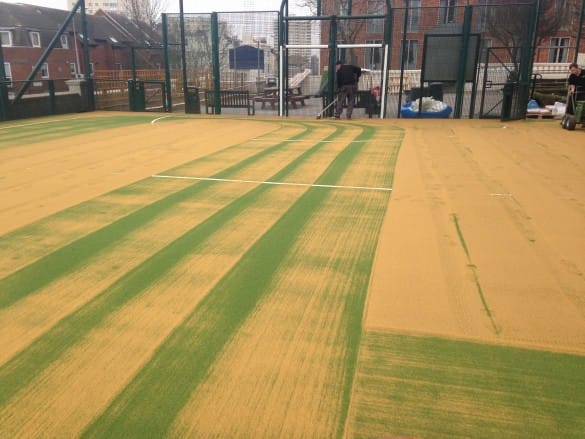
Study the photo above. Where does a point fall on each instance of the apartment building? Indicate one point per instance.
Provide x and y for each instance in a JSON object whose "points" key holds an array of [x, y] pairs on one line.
{"points": [[26, 31], [556, 41], [92, 6]]}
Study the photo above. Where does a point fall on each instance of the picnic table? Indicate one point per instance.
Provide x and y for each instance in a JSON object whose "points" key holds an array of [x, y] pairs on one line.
{"points": [[270, 95]]}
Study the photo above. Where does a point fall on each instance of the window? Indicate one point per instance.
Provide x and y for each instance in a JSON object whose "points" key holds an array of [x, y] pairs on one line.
{"points": [[45, 71], [447, 11], [8, 73], [376, 25], [64, 41], [91, 68], [118, 66], [559, 50], [373, 55], [6, 36], [413, 16], [73, 69], [409, 53], [35, 39]]}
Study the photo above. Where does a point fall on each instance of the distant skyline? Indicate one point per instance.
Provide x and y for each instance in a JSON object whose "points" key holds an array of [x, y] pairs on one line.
{"points": [[188, 5]]}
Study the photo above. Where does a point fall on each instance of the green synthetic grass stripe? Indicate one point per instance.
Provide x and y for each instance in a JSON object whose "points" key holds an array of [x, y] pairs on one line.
{"points": [[67, 259], [149, 405], [93, 207], [486, 307], [29, 132], [410, 386], [354, 308], [22, 369], [24, 246]]}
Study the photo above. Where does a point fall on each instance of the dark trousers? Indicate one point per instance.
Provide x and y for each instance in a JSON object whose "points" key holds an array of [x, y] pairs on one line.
{"points": [[346, 92]]}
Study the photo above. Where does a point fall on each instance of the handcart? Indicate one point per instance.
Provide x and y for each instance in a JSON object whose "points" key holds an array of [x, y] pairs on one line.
{"points": [[570, 121]]}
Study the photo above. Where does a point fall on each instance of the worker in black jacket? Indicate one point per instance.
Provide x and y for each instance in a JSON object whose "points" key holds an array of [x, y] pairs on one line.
{"points": [[576, 87], [347, 77]]}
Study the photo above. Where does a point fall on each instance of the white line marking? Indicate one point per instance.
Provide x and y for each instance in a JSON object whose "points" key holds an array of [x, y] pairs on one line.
{"points": [[279, 183], [259, 139], [39, 123], [153, 121]]}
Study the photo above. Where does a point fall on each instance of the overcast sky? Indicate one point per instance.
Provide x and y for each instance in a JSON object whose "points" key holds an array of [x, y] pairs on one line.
{"points": [[188, 5]]}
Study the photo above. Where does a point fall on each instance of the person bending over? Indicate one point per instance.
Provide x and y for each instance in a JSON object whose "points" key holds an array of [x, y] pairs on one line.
{"points": [[347, 77]]}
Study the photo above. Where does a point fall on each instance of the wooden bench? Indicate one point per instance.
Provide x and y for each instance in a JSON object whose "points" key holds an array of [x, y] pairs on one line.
{"points": [[273, 100], [229, 99], [294, 98]]}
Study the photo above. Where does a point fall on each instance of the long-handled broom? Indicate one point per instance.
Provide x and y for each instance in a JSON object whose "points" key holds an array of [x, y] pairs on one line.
{"points": [[320, 114]]}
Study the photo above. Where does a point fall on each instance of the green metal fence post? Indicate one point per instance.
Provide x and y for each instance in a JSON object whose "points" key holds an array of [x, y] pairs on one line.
{"points": [[527, 62], [52, 102], [165, 37], [460, 87], [183, 50], [86, 63], [3, 88], [402, 51], [579, 32], [388, 55], [215, 61], [133, 63]]}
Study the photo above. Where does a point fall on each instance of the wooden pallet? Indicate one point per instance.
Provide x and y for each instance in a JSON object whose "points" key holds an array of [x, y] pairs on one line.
{"points": [[540, 116]]}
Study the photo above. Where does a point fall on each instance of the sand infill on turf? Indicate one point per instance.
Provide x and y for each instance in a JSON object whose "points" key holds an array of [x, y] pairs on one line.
{"points": [[481, 211], [283, 373], [97, 369], [38, 181]]}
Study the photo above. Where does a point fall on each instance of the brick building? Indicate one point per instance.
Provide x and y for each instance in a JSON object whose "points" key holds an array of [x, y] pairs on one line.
{"points": [[557, 46], [26, 31]]}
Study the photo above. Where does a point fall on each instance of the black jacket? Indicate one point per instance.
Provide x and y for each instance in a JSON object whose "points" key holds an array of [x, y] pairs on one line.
{"points": [[348, 75], [579, 83]]}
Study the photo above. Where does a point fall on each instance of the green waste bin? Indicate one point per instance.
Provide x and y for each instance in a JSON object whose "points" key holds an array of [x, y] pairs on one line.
{"points": [[192, 103], [507, 100], [3, 101], [136, 95]]}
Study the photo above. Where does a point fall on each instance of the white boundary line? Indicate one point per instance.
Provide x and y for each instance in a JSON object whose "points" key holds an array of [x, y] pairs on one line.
{"points": [[40, 123], [65, 120], [153, 121], [278, 183]]}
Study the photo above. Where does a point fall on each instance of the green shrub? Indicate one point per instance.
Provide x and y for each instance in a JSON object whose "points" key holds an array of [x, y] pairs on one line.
{"points": [[549, 98]]}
